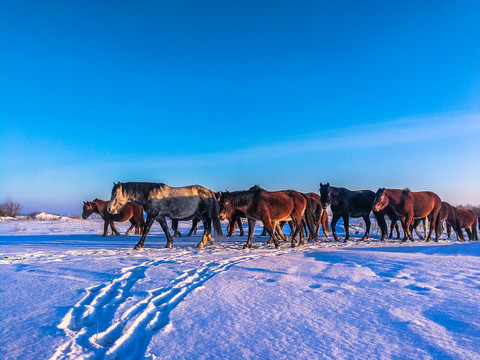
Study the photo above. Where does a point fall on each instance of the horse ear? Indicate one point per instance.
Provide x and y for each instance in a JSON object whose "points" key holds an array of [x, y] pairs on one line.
{"points": [[328, 184], [321, 184], [84, 203]]}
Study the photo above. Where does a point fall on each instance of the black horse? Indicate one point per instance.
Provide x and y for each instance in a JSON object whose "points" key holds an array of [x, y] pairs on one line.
{"points": [[346, 203]]}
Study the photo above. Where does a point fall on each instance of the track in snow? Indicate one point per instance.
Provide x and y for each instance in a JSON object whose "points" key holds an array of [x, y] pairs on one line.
{"points": [[132, 327]]}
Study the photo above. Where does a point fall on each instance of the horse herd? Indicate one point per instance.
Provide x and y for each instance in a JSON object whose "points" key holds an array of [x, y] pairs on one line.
{"points": [[305, 213]]}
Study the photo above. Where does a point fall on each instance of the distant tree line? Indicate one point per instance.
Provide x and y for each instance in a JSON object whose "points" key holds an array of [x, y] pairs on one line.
{"points": [[10, 208]]}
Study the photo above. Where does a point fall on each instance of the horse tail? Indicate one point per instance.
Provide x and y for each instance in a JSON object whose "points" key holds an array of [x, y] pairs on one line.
{"points": [[324, 217], [215, 215], [458, 228], [438, 224], [309, 219], [474, 229]]}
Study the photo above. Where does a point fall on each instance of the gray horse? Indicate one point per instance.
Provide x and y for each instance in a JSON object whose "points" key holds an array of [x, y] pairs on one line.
{"points": [[160, 201]]}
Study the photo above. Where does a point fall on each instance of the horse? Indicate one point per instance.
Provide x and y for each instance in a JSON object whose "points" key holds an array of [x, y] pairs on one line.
{"points": [[347, 203], [411, 205], [235, 219], [449, 215], [315, 215], [160, 201], [129, 211], [266, 206], [465, 219]]}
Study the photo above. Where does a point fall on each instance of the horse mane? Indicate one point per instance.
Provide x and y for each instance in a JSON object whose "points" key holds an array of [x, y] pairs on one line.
{"points": [[140, 188], [243, 197], [406, 191]]}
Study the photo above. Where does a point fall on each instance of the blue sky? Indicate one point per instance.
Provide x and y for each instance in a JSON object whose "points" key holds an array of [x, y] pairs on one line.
{"points": [[285, 94]]}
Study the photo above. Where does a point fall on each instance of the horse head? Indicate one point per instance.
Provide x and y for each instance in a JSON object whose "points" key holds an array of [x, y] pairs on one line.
{"points": [[226, 206], [381, 200], [325, 196], [87, 209], [118, 198]]}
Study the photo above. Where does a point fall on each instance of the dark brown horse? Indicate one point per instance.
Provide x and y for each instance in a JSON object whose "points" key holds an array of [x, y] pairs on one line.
{"points": [[465, 219], [315, 216], [268, 207], [131, 212], [409, 205]]}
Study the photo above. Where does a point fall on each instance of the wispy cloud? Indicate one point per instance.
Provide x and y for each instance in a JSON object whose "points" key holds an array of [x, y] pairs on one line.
{"points": [[402, 131]]}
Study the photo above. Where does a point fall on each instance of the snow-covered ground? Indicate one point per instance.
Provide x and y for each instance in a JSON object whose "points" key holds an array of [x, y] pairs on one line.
{"points": [[67, 293]]}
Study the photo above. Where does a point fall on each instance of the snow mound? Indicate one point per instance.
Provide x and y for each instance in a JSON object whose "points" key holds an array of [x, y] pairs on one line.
{"points": [[46, 216]]}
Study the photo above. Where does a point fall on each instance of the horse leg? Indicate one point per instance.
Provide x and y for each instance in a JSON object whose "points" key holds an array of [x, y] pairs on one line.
{"points": [[230, 229], [207, 230], [382, 223], [271, 231], [335, 218], [404, 227], [163, 223], [280, 226], [114, 229], [193, 229], [175, 229], [105, 228], [251, 229], [414, 227], [146, 229], [240, 226], [368, 223], [346, 225], [132, 222], [408, 223], [392, 225], [276, 227], [297, 220], [264, 231], [469, 233], [449, 230]]}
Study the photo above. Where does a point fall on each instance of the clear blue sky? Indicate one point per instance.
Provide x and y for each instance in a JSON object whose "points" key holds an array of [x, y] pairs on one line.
{"points": [[227, 94]]}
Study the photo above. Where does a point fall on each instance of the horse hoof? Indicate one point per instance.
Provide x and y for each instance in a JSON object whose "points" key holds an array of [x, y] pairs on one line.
{"points": [[199, 246], [137, 248], [169, 245]]}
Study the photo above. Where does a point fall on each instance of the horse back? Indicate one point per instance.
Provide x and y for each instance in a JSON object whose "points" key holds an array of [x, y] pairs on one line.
{"points": [[280, 204], [424, 202], [187, 191], [466, 218], [355, 203], [448, 212]]}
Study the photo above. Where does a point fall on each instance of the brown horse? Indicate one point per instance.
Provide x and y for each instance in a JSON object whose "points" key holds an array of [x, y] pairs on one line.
{"points": [[130, 212], [315, 216], [449, 215], [268, 207], [465, 219], [411, 205]]}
